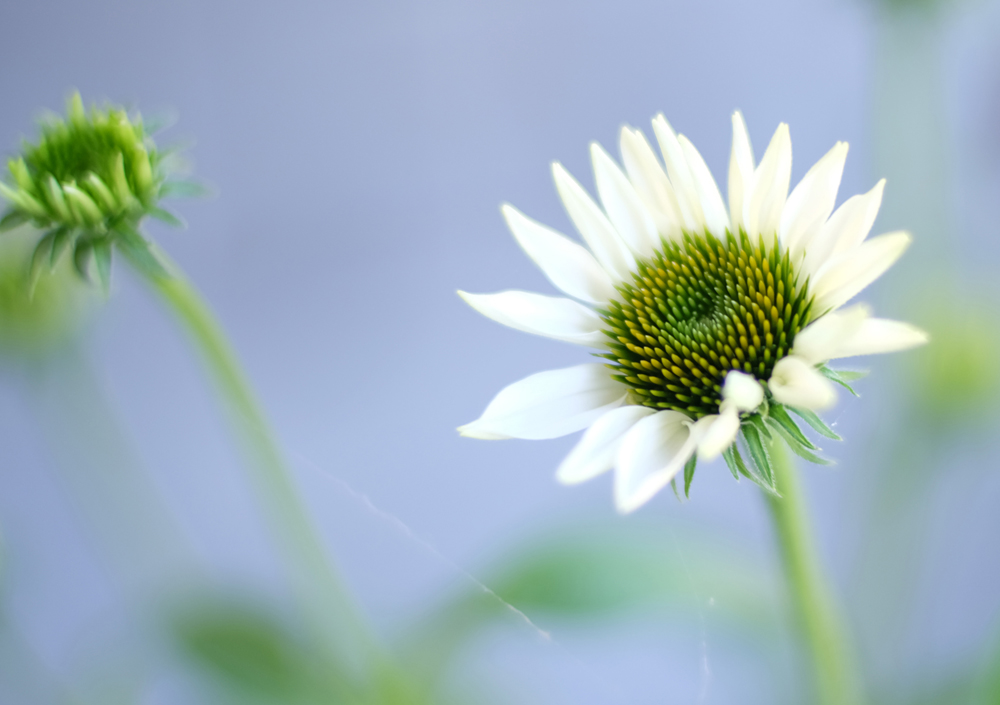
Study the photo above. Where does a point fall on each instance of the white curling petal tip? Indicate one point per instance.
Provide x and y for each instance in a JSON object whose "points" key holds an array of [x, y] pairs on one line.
{"points": [[797, 383], [718, 433], [742, 390]]}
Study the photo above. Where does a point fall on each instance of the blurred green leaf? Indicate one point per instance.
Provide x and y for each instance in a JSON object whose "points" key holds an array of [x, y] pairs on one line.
{"points": [[955, 379], [599, 573], [12, 219], [588, 576], [247, 650]]}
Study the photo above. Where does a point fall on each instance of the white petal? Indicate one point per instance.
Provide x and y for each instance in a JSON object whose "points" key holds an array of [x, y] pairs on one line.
{"points": [[651, 453], [598, 448], [797, 383], [822, 339], [551, 316], [567, 265], [623, 205], [863, 218], [846, 275], [549, 404], [880, 335], [718, 434], [597, 231], [712, 206], [680, 175], [846, 229], [765, 199], [740, 171], [651, 183], [742, 390], [811, 202]]}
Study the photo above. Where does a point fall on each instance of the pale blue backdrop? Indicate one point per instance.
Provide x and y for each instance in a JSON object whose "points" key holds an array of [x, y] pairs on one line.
{"points": [[359, 153]]}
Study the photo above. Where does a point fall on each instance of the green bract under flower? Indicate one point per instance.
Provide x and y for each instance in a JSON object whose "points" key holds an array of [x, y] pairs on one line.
{"points": [[696, 310], [89, 180]]}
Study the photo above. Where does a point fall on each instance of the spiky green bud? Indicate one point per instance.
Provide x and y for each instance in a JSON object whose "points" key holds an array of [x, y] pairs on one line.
{"points": [[89, 180]]}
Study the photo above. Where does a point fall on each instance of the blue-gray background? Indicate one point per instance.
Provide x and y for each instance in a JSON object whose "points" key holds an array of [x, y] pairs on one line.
{"points": [[359, 153]]}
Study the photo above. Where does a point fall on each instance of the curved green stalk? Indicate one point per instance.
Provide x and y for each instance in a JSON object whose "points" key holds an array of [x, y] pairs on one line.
{"points": [[105, 475], [327, 604], [815, 609]]}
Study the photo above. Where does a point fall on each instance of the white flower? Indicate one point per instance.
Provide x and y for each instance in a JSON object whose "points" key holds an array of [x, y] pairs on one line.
{"points": [[708, 315]]}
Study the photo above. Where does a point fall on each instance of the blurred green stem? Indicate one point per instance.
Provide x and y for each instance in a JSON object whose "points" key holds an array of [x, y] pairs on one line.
{"points": [[815, 609], [105, 475], [328, 606]]}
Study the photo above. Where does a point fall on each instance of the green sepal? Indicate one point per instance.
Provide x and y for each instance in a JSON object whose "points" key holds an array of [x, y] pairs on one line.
{"points": [[689, 467], [780, 417], [797, 448], [82, 254], [673, 486], [735, 462], [758, 454], [758, 421], [102, 257], [63, 239], [139, 254], [852, 375], [11, 219], [166, 217], [835, 376], [738, 467], [40, 259], [183, 189], [152, 124], [816, 422]]}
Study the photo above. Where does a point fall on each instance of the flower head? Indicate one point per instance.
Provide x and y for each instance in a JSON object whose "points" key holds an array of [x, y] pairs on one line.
{"points": [[713, 321], [88, 182]]}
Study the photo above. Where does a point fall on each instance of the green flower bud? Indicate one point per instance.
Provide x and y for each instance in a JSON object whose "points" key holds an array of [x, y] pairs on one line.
{"points": [[89, 180], [83, 206]]}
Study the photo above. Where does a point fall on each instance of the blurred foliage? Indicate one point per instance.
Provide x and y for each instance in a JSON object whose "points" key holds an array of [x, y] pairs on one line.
{"points": [[916, 6], [248, 650], [31, 324], [956, 379], [257, 657], [593, 576], [590, 574]]}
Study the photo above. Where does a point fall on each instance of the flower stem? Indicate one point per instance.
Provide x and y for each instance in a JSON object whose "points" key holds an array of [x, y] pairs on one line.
{"points": [[327, 605], [815, 609]]}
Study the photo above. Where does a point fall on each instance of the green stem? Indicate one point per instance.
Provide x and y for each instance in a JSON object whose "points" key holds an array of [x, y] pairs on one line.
{"points": [[326, 603], [105, 475], [816, 612]]}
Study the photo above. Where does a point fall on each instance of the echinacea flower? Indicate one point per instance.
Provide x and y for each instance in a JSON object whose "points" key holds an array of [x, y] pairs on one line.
{"points": [[88, 182], [713, 321]]}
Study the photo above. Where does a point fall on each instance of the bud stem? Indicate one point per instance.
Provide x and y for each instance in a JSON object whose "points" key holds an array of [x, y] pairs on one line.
{"points": [[327, 604], [816, 612]]}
